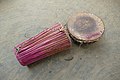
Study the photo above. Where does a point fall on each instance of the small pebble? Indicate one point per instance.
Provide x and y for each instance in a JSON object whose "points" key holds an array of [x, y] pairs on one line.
{"points": [[80, 58], [68, 58], [50, 71]]}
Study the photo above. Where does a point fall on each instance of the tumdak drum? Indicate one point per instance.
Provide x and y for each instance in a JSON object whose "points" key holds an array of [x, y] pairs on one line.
{"points": [[46, 43], [82, 27]]}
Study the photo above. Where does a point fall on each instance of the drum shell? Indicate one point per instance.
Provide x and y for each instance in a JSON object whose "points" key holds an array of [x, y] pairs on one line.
{"points": [[46, 43]]}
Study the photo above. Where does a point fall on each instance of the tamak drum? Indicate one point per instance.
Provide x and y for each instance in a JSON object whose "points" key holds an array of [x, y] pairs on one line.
{"points": [[85, 27], [82, 27], [46, 43]]}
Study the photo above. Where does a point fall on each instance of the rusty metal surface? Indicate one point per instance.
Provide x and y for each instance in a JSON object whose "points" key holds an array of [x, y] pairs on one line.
{"points": [[22, 19]]}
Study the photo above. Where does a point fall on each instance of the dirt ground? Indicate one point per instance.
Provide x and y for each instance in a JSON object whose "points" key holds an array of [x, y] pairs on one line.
{"points": [[22, 19]]}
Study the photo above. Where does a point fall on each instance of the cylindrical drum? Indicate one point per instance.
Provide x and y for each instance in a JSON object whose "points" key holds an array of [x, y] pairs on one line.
{"points": [[46, 43]]}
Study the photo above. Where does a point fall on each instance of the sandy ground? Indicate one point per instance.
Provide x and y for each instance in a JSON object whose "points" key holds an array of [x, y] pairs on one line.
{"points": [[22, 19]]}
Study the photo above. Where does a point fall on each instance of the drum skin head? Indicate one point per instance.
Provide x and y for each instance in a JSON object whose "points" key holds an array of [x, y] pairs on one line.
{"points": [[85, 27]]}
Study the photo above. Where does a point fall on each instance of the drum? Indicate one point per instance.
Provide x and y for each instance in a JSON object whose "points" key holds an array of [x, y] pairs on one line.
{"points": [[82, 27], [46, 43], [85, 27]]}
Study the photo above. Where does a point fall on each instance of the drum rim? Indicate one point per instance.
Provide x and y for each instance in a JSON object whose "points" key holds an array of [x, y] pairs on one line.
{"points": [[67, 34], [78, 39]]}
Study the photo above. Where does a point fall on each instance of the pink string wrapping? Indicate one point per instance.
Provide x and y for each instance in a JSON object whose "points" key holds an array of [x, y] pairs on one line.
{"points": [[46, 43]]}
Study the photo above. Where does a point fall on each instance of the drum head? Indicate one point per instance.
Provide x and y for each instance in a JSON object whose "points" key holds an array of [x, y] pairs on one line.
{"points": [[85, 27]]}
